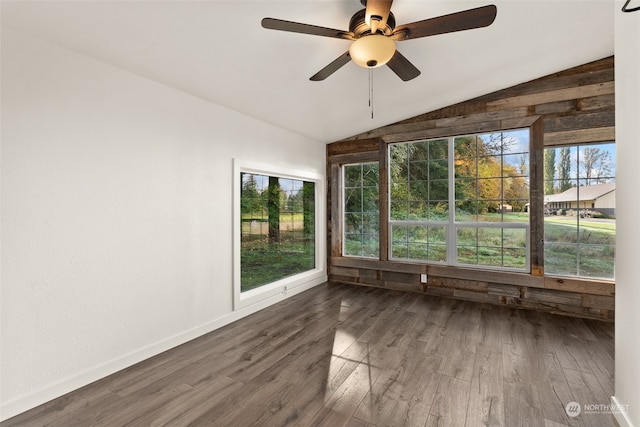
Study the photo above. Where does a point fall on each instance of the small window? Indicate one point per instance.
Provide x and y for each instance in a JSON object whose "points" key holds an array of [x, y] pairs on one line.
{"points": [[361, 212]]}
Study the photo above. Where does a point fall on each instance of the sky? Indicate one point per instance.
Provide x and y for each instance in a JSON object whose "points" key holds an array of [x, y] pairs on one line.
{"points": [[577, 155]]}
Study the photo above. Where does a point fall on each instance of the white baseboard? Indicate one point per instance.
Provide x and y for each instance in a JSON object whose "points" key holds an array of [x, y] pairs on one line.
{"points": [[621, 415], [23, 403]]}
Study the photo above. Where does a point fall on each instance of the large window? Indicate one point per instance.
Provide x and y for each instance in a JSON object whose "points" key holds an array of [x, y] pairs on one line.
{"points": [[579, 208], [278, 228], [461, 200], [360, 206], [277, 244]]}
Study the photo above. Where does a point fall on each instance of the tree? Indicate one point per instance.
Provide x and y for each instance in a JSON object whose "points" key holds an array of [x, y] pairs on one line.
{"points": [[564, 169], [273, 206], [399, 179], [524, 168], [251, 202], [490, 191], [493, 144], [549, 170], [466, 172], [596, 165], [308, 208]]}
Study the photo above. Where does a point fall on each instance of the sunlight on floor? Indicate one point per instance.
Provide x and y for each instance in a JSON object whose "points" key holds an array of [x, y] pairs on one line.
{"points": [[350, 376]]}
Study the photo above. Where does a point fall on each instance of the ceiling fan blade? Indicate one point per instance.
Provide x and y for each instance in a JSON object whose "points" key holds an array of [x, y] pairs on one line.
{"points": [[332, 67], [297, 27], [379, 9], [459, 21], [403, 67]]}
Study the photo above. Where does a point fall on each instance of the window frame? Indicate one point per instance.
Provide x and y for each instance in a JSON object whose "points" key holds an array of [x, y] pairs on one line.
{"points": [[343, 212], [300, 281], [451, 224], [568, 206]]}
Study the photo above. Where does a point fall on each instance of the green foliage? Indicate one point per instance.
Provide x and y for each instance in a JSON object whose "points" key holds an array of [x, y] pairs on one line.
{"points": [[278, 229], [490, 178], [308, 210], [564, 169], [549, 170], [361, 217], [596, 261], [419, 188], [262, 263], [586, 250], [250, 200]]}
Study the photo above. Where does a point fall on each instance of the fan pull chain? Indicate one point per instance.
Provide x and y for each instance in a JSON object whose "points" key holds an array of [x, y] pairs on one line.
{"points": [[371, 91]]}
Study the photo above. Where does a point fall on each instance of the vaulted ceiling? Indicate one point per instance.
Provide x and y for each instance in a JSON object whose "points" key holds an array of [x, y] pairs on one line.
{"points": [[218, 51]]}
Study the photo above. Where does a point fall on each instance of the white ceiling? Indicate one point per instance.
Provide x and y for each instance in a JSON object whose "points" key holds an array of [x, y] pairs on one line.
{"points": [[218, 51]]}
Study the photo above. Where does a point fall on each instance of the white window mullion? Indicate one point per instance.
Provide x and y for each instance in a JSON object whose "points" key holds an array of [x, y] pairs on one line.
{"points": [[452, 234]]}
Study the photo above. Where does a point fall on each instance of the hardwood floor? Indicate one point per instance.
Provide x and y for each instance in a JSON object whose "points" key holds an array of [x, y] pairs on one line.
{"points": [[345, 355]]}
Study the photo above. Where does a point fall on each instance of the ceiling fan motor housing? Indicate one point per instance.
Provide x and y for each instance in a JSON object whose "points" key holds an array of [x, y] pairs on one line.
{"points": [[359, 27]]}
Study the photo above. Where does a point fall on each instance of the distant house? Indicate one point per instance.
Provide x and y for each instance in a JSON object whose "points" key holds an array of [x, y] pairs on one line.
{"points": [[505, 207], [600, 197]]}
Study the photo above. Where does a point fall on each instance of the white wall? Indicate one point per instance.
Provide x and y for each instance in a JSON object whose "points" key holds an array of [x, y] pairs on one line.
{"points": [[116, 216], [627, 381]]}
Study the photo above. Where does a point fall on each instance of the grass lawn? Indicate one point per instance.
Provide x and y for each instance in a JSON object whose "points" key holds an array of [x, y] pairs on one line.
{"points": [[262, 263], [585, 248]]}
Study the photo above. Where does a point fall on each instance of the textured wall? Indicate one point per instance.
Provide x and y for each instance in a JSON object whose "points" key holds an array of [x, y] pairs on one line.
{"points": [[571, 106]]}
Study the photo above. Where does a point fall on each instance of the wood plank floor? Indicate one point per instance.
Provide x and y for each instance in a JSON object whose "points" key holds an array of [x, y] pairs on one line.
{"points": [[345, 355]]}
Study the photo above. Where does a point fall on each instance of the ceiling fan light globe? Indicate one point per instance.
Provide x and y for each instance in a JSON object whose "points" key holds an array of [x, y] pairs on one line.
{"points": [[372, 51]]}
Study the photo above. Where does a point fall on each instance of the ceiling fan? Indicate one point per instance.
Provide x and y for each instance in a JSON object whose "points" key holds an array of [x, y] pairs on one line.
{"points": [[374, 34]]}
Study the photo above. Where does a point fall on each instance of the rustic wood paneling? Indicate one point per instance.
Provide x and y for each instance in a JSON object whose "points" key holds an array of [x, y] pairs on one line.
{"points": [[355, 146], [552, 96], [344, 159], [580, 121], [399, 267], [471, 295], [598, 301], [580, 136], [591, 287], [536, 198], [334, 223], [441, 132], [486, 276], [503, 290], [344, 271], [603, 102], [445, 282], [383, 201], [545, 295], [551, 109], [568, 107]]}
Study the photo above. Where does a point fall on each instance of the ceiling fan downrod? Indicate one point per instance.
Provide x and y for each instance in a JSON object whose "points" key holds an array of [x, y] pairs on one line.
{"points": [[371, 91]]}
